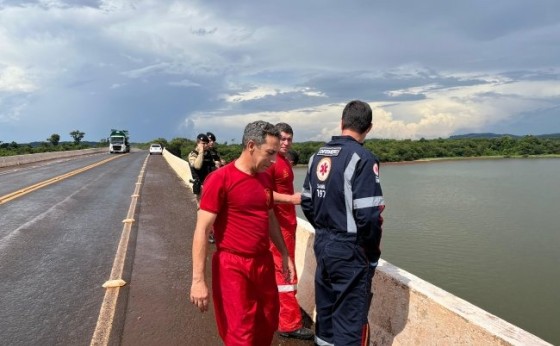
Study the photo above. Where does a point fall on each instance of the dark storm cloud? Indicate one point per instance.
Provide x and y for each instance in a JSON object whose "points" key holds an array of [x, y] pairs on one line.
{"points": [[168, 68]]}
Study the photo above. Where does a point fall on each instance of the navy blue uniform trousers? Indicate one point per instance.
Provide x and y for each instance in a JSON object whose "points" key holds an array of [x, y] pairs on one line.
{"points": [[343, 294]]}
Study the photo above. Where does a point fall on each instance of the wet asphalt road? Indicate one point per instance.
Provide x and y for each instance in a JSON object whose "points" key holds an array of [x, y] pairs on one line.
{"points": [[57, 246]]}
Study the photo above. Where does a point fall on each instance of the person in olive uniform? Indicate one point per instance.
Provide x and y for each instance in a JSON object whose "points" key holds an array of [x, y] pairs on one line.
{"points": [[201, 162]]}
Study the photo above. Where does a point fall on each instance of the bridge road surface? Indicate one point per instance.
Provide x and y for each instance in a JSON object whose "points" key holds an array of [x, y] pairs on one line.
{"points": [[57, 246], [159, 311]]}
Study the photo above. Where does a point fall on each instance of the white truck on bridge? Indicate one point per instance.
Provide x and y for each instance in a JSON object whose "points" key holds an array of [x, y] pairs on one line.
{"points": [[118, 141]]}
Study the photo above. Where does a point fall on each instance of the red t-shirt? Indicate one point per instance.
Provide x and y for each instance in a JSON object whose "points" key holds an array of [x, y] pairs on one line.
{"points": [[241, 202], [283, 179]]}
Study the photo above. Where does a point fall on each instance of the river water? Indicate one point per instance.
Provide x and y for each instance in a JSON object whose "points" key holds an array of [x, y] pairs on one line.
{"points": [[487, 231]]}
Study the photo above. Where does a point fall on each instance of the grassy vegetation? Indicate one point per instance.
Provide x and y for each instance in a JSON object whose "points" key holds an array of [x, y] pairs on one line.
{"points": [[9, 149]]}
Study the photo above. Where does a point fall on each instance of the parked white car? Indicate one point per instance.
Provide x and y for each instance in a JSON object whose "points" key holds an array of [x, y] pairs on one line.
{"points": [[156, 149]]}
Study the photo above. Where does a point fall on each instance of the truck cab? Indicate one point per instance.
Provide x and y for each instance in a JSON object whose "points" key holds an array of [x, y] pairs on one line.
{"points": [[118, 142]]}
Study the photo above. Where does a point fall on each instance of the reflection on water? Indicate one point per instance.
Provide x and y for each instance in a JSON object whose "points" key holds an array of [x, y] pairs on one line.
{"points": [[484, 230]]}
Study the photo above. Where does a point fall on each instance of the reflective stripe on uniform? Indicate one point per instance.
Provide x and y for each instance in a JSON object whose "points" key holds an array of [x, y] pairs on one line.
{"points": [[287, 288], [348, 174], [305, 192], [369, 202], [321, 342], [310, 163]]}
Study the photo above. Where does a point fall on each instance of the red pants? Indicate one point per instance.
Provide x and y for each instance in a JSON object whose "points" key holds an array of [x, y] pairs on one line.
{"points": [[290, 315], [245, 298]]}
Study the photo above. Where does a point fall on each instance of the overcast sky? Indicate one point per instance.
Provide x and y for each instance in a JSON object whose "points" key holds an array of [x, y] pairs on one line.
{"points": [[162, 68]]}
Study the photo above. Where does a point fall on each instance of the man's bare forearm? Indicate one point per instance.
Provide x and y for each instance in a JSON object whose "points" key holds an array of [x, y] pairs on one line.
{"points": [[282, 198], [200, 244], [276, 234], [199, 251]]}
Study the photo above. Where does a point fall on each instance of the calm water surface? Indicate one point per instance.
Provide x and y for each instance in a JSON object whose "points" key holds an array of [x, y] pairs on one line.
{"points": [[487, 231]]}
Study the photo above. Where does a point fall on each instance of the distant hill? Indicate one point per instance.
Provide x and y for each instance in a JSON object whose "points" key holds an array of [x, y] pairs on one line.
{"points": [[498, 135]]}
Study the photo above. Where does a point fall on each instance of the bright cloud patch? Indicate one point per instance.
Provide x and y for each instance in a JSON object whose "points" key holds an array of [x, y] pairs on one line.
{"points": [[14, 79]]}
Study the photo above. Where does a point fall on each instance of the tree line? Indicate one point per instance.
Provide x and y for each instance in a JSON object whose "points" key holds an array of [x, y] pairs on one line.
{"points": [[387, 150], [51, 144]]}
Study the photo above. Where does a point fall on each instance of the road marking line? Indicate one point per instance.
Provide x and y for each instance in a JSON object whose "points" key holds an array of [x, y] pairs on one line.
{"points": [[107, 312], [37, 186]]}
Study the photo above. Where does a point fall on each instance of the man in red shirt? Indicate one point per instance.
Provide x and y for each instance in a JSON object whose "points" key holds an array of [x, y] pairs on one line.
{"points": [[290, 320], [237, 200]]}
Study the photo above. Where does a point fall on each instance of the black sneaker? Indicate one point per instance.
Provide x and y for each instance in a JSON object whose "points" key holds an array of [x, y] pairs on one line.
{"points": [[302, 333]]}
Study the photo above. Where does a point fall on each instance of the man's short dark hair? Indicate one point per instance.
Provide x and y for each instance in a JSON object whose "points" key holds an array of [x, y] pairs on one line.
{"points": [[357, 116], [283, 127], [257, 132]]}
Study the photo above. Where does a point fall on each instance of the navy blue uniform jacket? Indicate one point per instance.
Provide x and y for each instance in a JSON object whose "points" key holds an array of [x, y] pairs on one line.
{"points": [[342, 194]]}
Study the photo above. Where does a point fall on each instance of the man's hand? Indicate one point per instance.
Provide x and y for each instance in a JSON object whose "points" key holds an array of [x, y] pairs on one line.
{"points": [[296, 198], [199, 295], [199, 289], [288, 269], [200, 148]]}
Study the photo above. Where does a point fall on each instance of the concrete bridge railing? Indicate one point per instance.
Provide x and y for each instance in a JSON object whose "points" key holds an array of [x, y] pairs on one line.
{"points": [[406, 310], [30, 158]]}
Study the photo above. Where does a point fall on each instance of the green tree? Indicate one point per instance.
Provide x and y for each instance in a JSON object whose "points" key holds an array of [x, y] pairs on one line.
{"points": [[77, 136], [54, 139], [229, 152], [178, 146], [161, 141]]}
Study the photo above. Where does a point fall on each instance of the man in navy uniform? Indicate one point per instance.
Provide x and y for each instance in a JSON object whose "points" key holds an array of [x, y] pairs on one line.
{"points": [[218, 162], [342, 199]]}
